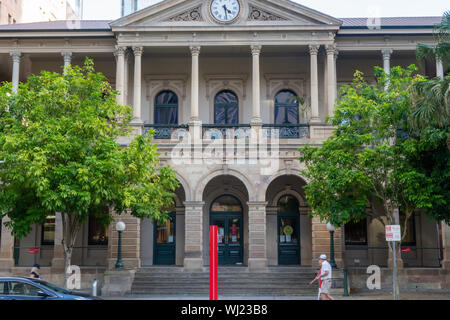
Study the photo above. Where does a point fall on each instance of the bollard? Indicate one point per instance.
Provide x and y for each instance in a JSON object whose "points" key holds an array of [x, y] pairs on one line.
{"points": [[346, 283], [94, 288]]}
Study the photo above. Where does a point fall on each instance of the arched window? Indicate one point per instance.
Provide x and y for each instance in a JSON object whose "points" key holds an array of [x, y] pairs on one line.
{"points": [[288, 204], [286, 108], [226, 108], [166, 108]]}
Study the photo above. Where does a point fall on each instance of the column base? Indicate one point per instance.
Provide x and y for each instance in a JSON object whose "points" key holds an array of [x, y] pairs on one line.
{"points": [[193, 264], [315, 120], [138, 127], [117, 282], [127, 264], [7, 264], [255, 265]]}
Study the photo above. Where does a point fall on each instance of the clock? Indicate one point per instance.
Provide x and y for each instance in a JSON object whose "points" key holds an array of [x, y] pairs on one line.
{"points": [[225, 11]]}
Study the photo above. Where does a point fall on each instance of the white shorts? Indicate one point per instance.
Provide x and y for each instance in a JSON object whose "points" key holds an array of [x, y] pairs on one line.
{"points": [[326, 286]]}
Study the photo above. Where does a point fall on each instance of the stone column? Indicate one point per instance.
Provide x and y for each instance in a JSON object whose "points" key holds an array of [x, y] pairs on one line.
{"points": [[120, 73], [439, 69], [331, 78], [16, 56], [58, 249], [387, 60], [67, 56], [321, 242], [195, 53], [131, 251], [6, 247], [138, 51], [446, 245], [257, 237], [256, 86], [314, 49], [193, 250]]}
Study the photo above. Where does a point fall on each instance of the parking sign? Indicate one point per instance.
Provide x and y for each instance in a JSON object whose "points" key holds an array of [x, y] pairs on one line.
{"points": [[393, 233]]}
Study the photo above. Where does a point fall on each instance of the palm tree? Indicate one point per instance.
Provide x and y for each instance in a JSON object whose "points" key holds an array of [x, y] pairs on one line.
{"points": [[431, 98]]}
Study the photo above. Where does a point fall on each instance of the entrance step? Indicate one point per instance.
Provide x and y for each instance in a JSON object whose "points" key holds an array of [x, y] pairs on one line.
{"points": [[275, 281]]}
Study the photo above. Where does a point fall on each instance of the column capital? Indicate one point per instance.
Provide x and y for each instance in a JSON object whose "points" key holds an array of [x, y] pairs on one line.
{"points": [[257, 204], [314, 49], [66, 54], [256, 49], [16, 55], [138, 51], [195, 50], [331, 49], [120, 51], [387, 53]]}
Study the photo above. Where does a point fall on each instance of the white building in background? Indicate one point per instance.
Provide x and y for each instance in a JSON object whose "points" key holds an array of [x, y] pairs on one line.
{"points": [[130, 6]]}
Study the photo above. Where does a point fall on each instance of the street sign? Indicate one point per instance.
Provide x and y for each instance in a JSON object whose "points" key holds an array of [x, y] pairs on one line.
{"points": [[393, 233], [33, 250]]}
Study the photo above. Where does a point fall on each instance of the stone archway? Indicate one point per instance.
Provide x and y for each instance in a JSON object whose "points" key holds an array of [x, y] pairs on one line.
{"points": [[278, 187]]}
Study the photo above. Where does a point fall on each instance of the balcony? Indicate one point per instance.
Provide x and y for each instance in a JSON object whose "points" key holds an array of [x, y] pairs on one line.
{"points": [[238, 131]]}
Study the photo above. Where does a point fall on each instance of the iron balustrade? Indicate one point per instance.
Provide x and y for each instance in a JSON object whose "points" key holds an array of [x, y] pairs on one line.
{"points": [[226, 131], [286, 131], [412, 256], [166, 131]]}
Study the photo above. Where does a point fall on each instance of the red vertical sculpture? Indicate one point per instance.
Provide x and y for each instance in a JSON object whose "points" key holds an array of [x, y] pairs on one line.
{"points": [[213, 264]]}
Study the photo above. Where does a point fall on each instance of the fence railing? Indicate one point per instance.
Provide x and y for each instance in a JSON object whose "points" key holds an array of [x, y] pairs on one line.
{"points": [[412, 256], [87, 256], [166, 131], [286, 131], [224, 131]]}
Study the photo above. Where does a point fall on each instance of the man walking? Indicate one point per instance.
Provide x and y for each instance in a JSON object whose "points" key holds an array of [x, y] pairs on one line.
{"points": [[325, 277]]}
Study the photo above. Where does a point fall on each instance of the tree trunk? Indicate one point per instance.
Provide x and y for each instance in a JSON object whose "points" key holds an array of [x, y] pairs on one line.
{"points": [[71, 226]]}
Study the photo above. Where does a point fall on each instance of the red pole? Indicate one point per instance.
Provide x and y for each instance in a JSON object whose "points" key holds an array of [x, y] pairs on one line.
{"points": [[213, 264]]}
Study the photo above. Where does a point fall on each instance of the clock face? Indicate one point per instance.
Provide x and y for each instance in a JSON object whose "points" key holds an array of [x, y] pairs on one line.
{"points": [[225, 10]]}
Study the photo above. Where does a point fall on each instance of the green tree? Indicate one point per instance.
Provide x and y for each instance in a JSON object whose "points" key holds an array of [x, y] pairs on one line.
{"points": [[442, 37], [365, 160], [59, 152]]}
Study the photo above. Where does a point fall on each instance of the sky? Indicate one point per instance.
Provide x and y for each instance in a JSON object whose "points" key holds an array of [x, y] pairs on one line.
{"points": [[110, 9]]}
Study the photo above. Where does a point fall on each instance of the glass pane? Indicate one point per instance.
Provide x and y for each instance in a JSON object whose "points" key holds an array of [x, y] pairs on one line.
{"points": [[226, 97], [232, 117], [23, 289], [165, 98], [226, 204], [3, 287], [356, 233], [288, 230], [219, 116], [165, 232], [280, 115], [48, 231], [98, 233], [288, 204], [220, 223], [160, 116], [292, 115], [234, 231], [286, 97], [172, 116]]}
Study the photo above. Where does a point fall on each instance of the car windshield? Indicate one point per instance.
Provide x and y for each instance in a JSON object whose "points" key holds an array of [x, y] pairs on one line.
{"points": [[52, 286]]}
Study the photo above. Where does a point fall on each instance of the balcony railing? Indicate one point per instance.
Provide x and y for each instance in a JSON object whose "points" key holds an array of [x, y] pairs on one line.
{"points": [[165, 131], [286, 131], [224, 131], [235, 131]]}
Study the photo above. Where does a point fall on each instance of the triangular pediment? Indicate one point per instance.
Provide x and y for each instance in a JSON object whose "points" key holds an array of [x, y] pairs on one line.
{"points": [[185, 13]]}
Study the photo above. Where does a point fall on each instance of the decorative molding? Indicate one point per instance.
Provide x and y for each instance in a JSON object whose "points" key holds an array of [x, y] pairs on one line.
{"points": [[387, 53], [194, 14], [16, 56], [277, 82], [176, 82], [138, 51], [235, 82], [256, 50], [314, 49], [257, 14], [195, 50]]}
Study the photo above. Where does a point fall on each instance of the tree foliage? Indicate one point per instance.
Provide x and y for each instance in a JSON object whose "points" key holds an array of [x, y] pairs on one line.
{"points": [[367, 158], [58, 144]]}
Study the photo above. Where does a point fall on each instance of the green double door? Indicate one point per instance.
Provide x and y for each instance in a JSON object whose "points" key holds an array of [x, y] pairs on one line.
{"points": [[164, 241], [288, 238], [230, 237]]}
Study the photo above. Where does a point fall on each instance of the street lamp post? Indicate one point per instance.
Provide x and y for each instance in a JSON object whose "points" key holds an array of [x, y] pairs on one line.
{"points": [[120, 227], [331, 228]]}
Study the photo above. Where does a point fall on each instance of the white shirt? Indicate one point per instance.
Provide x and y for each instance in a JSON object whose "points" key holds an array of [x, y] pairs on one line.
{"points": [[325, 267]]}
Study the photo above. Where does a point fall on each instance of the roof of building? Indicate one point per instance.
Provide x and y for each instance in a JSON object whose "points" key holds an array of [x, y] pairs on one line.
{"points": [[103, 25]]}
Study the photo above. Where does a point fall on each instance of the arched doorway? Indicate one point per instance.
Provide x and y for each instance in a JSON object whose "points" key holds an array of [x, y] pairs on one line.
{"points": [[227, 213], [165, 241], [288, 231]]}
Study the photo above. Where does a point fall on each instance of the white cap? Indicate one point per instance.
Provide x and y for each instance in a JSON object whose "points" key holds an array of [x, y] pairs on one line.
{"points": [[323, 257]]}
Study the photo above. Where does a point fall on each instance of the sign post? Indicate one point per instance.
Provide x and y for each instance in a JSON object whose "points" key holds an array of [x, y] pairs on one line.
{"points": [[394, 235], [213, 264]]}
